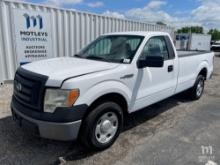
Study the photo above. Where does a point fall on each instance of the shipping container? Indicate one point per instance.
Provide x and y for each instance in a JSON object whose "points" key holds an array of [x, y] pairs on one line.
{"points": [[186, 41], [200, 42], [30, 32]]}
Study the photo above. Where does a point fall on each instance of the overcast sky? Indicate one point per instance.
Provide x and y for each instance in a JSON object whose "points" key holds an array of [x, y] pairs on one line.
{"points": [[176, 13]]}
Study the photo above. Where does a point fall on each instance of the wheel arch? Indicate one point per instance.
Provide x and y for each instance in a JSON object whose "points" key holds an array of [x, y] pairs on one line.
{"points": [[203, 69], [114, 97], [204, 72]]}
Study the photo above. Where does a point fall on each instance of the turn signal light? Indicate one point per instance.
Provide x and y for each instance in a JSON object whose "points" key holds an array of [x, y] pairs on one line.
{"points": [[72, 97]]}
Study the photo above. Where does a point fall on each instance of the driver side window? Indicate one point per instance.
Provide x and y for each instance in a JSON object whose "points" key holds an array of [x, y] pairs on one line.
{"points": [[156, 46]]}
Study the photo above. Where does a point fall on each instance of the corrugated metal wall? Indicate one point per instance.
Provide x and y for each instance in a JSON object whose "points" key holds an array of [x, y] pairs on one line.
{"points": [[71, 30]]}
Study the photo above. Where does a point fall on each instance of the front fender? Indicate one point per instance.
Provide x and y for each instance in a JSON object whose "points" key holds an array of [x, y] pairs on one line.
{"points": [[103, 88]]}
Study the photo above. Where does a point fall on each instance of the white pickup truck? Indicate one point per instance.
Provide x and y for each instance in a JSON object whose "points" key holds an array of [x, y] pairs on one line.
{"points": [[87, 96]]}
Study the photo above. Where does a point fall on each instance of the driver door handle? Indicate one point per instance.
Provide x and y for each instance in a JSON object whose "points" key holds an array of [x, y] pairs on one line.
{"points": [[170, 68]]}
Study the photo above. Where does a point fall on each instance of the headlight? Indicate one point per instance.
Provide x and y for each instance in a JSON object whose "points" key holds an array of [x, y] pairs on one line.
{"points": [[59, 98]]}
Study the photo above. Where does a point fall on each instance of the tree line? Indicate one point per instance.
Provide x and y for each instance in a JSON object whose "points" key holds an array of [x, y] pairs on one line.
{"points": [[215, 33]]}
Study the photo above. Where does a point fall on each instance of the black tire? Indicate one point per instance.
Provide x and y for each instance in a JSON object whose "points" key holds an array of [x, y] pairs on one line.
{"points": [[88, 130], [194, 94]]}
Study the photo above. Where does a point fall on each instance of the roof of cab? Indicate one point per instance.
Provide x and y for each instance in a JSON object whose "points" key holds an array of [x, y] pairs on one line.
{"points": [[139, 33]]}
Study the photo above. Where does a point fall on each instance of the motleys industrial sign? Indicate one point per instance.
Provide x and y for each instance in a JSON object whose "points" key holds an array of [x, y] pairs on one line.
{"points": [[32, 35]]}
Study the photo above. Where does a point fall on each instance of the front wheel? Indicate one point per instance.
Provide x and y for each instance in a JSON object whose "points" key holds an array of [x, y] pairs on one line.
{"points": [[197, 90], [102, 126]]}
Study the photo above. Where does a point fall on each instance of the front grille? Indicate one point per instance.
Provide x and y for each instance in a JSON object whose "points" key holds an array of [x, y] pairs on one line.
{"points": [[29, 88]]}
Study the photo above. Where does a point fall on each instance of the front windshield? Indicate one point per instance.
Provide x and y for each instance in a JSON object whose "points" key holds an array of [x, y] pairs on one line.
{"points": [[114, 48]]}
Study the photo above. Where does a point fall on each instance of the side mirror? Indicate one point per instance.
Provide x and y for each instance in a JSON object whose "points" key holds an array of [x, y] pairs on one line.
{"points": [[151, 61]]}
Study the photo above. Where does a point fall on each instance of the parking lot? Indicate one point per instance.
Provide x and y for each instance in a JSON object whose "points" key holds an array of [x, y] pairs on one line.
{"points": [[174, 131]]}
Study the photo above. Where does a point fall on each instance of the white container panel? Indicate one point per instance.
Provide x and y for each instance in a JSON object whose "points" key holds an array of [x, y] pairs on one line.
{"points": [[200, 42]]}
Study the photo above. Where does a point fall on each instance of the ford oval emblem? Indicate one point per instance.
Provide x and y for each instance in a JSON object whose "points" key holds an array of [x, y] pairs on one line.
{"points": [[18, 86]]}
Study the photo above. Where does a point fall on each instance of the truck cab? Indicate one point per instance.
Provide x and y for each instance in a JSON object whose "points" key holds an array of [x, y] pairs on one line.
{"points": [[87, 96]]}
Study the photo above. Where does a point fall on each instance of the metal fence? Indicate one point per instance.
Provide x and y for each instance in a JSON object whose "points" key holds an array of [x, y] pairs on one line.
{"points": [[70, 30]]}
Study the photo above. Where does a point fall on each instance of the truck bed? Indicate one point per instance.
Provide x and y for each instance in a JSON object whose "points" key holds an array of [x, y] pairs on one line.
{"points": [[191, 53], [190, 67]]}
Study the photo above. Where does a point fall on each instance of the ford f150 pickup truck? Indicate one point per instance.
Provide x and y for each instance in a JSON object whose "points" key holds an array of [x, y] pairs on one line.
{"points": [[87, 96]]}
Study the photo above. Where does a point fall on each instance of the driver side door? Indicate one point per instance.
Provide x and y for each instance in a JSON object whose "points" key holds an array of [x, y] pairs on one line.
{"points": [[156, 83]]}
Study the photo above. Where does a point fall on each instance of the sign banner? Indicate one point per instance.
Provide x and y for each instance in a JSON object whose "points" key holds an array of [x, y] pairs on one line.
{"points": [[32, 35]]}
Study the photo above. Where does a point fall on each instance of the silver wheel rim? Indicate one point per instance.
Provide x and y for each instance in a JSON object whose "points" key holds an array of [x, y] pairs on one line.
{"points": [[199, 88], [106, 127]]}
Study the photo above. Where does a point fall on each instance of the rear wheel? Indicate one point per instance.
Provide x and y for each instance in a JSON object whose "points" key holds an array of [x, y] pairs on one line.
{"points": [[102, 126], [197, 90]]}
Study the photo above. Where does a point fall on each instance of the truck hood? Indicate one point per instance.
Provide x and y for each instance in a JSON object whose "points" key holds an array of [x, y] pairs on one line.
{"points": [[60, 69]]}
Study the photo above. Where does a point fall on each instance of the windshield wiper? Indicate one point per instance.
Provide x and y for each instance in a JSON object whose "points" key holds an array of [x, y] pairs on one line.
{"points": [[96, 58], [104, 59], [77, 55]]}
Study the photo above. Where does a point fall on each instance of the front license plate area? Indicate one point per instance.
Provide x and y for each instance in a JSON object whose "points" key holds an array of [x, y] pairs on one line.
{"points": [[27, 126]]}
